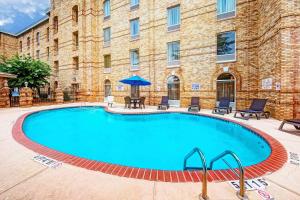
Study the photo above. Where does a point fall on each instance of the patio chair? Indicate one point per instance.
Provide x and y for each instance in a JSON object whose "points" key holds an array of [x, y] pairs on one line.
{"points": [[127, 102], [195, 104], [164, 104], [110, 100], [256, 108], [223, 107], [294, 122], [142, 102]]}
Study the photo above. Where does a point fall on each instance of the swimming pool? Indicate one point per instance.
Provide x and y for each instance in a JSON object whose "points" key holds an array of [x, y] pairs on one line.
{"points": [[150, 141]]}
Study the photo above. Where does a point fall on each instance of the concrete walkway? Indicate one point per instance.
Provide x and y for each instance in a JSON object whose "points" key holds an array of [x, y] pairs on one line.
{"points": [[22, 178]]}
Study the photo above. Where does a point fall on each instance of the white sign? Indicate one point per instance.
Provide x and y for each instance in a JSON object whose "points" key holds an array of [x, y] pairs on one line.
{"points": [[294, 158], [266, 84], [195, 86], [264, 195], [252, 184], [47, 161], [158, 88], [120, 88]]}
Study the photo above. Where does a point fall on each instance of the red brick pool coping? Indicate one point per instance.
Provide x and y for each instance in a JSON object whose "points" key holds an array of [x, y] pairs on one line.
{"points": [[273, 163]]}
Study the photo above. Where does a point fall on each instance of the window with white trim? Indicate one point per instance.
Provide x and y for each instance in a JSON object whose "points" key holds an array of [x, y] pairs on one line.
{"points": [[226, 9], [174, 18], [106, 9], [135, 28], [173, 53], [226, 46], [134, 59]]}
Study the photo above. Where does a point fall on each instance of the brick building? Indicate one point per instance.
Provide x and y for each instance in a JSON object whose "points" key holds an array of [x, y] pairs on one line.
{"points": [[237, 48]]}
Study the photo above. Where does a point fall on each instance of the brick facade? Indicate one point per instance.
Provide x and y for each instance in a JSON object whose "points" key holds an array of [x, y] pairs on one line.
{"points": [[267, 46]]}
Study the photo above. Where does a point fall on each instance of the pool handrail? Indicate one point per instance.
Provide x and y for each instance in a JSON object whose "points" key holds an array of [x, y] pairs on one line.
{"points": [[204, 169], [241, 174]]}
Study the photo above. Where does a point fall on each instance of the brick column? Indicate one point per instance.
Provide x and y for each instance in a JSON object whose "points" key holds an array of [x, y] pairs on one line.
{"points": [[26, 96], [4, 96], [59, 95]]}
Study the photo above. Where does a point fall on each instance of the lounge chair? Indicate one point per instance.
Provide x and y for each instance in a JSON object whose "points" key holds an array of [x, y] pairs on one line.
{"points": [[257, 108], [164, 105], [127, 102], [223, 107], [294, 122], [195, 105], [142, 102]]}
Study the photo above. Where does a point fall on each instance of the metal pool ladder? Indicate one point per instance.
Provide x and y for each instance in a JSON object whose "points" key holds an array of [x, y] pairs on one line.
{"points": [[204, 169], [241, 194]]}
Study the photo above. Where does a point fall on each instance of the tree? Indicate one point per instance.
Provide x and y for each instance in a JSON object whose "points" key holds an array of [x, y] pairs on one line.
{"points": [[34, 72]]}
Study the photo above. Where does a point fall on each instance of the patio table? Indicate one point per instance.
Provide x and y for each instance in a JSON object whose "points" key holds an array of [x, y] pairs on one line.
{"points": [[135, 101]]}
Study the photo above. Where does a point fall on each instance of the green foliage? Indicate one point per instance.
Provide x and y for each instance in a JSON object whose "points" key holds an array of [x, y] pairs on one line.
{"points": [[35, 72]]}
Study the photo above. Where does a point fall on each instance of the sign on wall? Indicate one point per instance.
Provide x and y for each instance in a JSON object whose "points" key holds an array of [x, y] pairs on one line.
{"points": [[120, 87], [195, 86], [277, 86], [266, 84]]}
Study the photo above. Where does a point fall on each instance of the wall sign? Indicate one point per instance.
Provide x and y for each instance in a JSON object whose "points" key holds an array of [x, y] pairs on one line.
{"points": [[158, 88], [195, 86], [266, 84], [120, 87], [44, 160], [251, 184]]}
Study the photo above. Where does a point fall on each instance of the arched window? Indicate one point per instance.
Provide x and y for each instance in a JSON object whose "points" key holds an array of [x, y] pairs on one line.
{"points": [[173, 88], [75, 13], [226, 86], [107, 88]]}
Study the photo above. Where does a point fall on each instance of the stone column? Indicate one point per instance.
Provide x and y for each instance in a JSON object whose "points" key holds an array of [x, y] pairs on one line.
{"points": [[4, 96], [59, 95], [26, 96]]}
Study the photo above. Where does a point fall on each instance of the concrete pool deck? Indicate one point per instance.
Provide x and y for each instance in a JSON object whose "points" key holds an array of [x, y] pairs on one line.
{"points": [[22, 178]]}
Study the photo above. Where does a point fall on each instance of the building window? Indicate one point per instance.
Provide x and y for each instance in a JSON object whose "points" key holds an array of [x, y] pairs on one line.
{"points": [[226, 47], [56, 67], [21, 46], [75, 41], [134, 59], [134, 4], [173, 88], [48, 53], [55, 24], [106, 9], [134, 28], [28, 42], [107, 64], [174, 53], [106, 36], [226, 9], [174, 18], [48, 34], [107, 61], [75, 14], [37, 38], [37, 54], [76, 63], [55, 46]]}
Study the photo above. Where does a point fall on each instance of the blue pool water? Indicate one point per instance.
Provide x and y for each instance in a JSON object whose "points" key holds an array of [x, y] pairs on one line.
{"points": [[155, 141]]}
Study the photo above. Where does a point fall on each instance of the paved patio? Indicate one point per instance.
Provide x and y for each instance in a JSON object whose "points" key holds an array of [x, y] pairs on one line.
{"points": [[22, 178]]}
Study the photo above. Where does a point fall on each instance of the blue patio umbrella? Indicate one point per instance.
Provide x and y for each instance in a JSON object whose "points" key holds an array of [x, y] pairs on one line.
{"points": [[135, 80]]}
